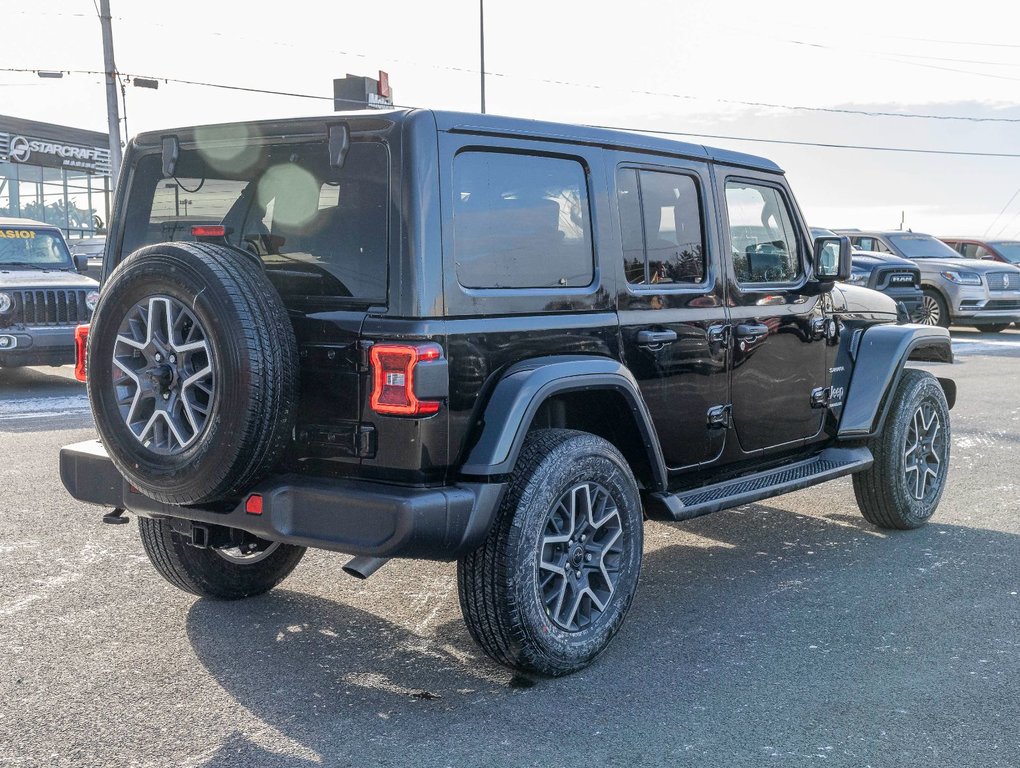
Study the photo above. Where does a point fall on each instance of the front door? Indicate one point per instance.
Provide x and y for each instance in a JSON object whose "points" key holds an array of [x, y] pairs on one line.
{"points": [[671, 309], [778, 367]]}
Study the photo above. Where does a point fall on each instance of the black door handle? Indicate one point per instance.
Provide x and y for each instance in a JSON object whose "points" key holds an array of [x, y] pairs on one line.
{"points": [[650, 338], [746, 330]]}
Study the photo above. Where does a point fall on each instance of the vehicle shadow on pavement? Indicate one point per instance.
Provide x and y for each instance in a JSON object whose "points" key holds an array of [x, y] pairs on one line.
{"points": [[771, 635]]}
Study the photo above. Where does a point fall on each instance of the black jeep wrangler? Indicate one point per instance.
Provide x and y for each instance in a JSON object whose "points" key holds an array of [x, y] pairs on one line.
{"points": [[450, 336]]}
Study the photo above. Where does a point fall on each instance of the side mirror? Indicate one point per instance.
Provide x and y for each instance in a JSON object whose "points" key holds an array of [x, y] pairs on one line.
{"points": [[832, 260], [81, 263]]}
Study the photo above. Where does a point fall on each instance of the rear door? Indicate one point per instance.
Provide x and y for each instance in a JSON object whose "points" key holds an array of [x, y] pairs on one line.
{"points": [[778, 367], [670, 299]]}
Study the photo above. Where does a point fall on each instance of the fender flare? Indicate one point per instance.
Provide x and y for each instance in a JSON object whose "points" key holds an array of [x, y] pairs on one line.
{"points": [[878, 365], [523, 388]]}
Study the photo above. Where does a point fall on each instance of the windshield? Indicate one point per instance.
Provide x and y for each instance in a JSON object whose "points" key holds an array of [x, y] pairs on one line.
{"points": [[1008, 249], [923, 247], [24, 246], [320, 231]]}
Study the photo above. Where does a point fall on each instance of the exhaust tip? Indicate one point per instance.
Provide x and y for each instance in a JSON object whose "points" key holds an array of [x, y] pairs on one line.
{"points": [[363, 567]]}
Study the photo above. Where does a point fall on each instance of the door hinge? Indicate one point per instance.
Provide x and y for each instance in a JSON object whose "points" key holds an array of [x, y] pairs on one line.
{"points": [[719, 417], [821, 397]]}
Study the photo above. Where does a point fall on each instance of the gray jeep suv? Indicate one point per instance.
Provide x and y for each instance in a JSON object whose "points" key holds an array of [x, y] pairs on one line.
{"points": [[957, 290]]}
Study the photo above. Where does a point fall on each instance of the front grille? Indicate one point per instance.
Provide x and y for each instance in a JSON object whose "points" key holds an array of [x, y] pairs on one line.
{"points": [[50, 307], [896, 278], [1003, 281]]}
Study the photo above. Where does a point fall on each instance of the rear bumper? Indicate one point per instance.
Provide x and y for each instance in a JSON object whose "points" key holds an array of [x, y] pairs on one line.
{"points": [[353, 516], [36, 346]]}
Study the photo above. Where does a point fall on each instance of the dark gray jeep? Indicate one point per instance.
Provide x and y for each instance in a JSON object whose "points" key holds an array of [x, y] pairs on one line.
{"points": [[464, 337]]}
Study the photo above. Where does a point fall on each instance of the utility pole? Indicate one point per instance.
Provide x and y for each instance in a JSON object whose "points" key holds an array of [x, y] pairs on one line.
{"points": [[481, 45], [112, 108]]}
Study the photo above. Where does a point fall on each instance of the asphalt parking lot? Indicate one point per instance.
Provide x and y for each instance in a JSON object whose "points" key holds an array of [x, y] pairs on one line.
{"points": [[786, 633]]}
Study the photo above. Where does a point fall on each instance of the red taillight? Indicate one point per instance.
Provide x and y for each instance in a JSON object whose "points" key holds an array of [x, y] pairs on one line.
{"points": [[253, 506], [208, 230], [393, 378], [81, 337]]}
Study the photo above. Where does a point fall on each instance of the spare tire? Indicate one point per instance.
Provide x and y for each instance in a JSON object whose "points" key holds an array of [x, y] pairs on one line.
{"points": [[192, 372]]}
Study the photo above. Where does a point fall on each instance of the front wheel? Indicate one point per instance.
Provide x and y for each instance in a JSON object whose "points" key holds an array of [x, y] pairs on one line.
{"points": [[553, 581], [226, 574], [934, 310], [903, 487]]}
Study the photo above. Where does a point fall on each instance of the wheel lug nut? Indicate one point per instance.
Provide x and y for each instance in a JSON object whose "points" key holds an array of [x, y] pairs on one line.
{"points": [[587, 558], [166, 395], [159, 358], [173, 358], [583, 537]]}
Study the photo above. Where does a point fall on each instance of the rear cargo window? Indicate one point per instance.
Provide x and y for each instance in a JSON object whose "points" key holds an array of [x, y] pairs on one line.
{"points": [[320, 231], [521, 221]]}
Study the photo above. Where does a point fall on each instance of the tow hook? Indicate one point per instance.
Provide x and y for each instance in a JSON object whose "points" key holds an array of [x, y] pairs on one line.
{"points": [[117, 517]]}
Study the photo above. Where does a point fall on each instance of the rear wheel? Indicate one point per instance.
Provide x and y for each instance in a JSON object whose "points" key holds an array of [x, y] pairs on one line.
{"points": [[903, 487], [554, 580], [229, 573], [933, 309], [995, 328]]}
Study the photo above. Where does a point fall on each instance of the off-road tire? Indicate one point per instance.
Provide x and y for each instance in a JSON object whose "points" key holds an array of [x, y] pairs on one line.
{"points": [[254, 359], [886, 491], [498, 583], [206, 573]]}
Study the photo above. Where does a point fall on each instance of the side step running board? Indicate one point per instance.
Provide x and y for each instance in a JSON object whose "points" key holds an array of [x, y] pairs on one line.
{"points": [[828, 465]]}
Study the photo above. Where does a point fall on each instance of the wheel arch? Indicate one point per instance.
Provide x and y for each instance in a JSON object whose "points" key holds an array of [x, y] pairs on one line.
{"points": [[591, 394], [879, 361]]}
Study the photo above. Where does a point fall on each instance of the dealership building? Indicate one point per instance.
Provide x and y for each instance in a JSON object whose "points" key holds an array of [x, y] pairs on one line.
{"points": [[55, 174]]}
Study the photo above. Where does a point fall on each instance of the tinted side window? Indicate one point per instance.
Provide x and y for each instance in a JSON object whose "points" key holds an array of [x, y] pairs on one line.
{"points": [[660, 220], [521, 221], [763, 241]]}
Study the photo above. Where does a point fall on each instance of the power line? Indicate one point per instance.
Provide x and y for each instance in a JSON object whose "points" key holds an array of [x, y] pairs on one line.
{"points": [[594, 86], [996, 219], [789, 142], [823, 145]]}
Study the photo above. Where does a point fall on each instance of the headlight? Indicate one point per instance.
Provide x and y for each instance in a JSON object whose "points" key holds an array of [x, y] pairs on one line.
{"points": [[962, 278], [857, 277], [91, 299], [6, 302]]}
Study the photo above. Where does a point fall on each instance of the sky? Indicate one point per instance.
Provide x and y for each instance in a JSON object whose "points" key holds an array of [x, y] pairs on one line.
{"points": [[738, 68]]}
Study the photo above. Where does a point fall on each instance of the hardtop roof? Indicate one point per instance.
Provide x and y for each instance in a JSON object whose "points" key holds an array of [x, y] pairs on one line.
{"points": [[469, 122]]}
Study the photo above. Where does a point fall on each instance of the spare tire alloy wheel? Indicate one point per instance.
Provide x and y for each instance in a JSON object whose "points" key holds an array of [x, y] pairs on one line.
{"points": [[164, 375], [192, 372]]}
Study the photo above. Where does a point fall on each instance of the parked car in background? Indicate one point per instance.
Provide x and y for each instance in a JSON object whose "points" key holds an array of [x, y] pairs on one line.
{"points": [[899, 279], [957, 290], [92, 249], [42, 295], [1007, 251]]}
